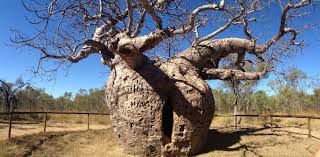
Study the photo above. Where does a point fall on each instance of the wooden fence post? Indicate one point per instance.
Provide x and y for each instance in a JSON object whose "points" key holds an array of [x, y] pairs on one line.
{"points": [[235, 121], [88, 121], [309, 128], [10, 124], [271, 122], [45, 122]]}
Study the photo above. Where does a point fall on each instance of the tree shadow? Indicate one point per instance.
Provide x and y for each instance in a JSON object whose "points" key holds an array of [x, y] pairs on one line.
{"points": [[20, 122], [315, 137], [3, 126], [59, 125], [230, 141], [296, 134], [23, 128], [224, 140]]}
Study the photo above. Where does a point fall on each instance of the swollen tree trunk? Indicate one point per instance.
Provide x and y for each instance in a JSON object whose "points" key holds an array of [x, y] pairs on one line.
{"points": [[159, 109], [156, 109]]}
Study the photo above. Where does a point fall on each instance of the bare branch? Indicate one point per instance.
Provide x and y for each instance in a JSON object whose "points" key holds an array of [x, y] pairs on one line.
{"points": [[217, 49], [282, 28], [151, 11], [221, 29], [101, 6], [196, 31], [130, 15], [192, 17], [50, 6], [232, 74], [72, 30], [90, 46], [140, 24], [246, 30]]}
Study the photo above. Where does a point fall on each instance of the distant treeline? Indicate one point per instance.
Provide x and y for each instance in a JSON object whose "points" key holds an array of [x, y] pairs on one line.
{"points": [[33, 99], [288, 100], [289, 96]]}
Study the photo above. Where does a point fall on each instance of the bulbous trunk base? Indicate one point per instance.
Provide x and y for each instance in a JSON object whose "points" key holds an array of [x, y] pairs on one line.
{"points": [[164, 110]]}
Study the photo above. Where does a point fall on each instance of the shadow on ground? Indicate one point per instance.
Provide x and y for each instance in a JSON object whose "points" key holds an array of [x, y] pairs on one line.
{"points": [[230, 141], [260, 142], [3, 126]]}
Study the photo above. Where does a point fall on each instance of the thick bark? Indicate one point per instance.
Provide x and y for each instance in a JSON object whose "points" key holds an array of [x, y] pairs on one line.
{"points": [[232, 74], [157, 110], [166, 109], [217, 49]]}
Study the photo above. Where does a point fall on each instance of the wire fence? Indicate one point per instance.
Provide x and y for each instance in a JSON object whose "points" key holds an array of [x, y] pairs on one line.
{"points": [[46, 117], [271, 117]]}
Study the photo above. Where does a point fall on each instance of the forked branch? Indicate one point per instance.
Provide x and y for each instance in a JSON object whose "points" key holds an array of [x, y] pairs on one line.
{"points": [[191, 21]]}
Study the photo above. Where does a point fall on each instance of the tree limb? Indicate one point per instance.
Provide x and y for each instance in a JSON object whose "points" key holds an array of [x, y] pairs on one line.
{"points": [[140, 24], [221, 29], [151, 11], [191, 22], [282, 27], [91, 46], [130, 15], [220, 48], [232, 74]]}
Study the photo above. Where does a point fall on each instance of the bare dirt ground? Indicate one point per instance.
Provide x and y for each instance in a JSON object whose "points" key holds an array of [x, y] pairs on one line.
{"points": [[57, 123], [288, 139], [27, 128]]}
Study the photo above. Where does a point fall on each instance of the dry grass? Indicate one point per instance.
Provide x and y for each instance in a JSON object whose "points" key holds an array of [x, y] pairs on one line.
{"points": [[259, 142], [24, 145], [81, 144], [68, 144], [289, 139], [55, 124], [79, 119], [221, 142]]}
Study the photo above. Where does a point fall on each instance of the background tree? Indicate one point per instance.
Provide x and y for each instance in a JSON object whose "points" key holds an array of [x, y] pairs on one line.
{"points": [[2, 105], [242, 89], [10, 93], [167, 99], [291, 86], [261, 101]]}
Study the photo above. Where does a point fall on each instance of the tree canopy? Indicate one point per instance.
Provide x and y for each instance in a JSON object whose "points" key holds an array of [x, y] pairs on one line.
{"points": [[70, 31]]}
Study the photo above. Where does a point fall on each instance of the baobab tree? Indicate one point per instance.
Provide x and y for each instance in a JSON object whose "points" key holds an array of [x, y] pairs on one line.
{"points": [[158, 107]]}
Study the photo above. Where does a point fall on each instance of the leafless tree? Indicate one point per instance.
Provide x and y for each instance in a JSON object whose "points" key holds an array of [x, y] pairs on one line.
{"points": [[158, 106], [9, 92]]}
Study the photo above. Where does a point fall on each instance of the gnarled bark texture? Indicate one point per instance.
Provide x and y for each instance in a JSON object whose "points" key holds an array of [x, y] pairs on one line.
{"points": [[165, 109]]}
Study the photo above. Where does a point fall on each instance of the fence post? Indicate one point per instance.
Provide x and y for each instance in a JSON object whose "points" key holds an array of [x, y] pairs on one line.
{"points": [[10, 124], [309, 128], [88, 121], [271, 122], [45, 122], [235, 121]]}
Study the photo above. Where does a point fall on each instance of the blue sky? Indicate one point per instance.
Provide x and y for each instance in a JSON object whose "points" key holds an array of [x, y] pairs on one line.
{"points": [[90, 73], [18, 62]]}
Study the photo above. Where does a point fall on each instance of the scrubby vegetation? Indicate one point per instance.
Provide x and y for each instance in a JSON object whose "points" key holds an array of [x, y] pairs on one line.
{"points": [[35, 99], [292, 92]]}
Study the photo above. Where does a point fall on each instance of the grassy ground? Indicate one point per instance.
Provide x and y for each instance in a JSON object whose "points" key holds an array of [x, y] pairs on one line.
{"points": [[259, 142], [56, 123], [288, 139], [67, 144]]}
